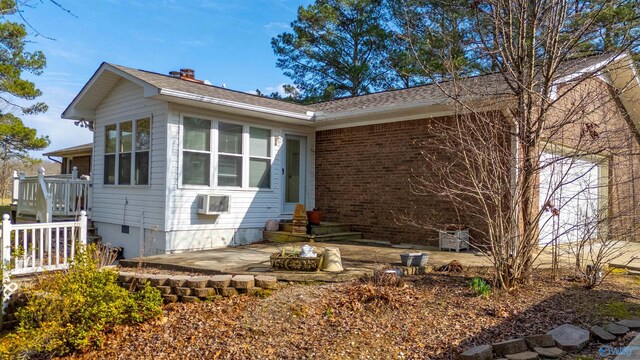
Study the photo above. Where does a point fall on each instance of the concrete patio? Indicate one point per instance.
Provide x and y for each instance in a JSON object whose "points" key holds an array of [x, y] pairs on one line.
{"points": [[358, 259]]}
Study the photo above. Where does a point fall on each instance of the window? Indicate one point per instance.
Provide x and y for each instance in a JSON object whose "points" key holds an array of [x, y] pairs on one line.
{"points": [[260, 158], [196, 155], [229, 155], [232, 148], [122, 157]]}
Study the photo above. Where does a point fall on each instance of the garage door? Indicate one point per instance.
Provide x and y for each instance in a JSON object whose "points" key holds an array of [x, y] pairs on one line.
{"points": [[569, 193]]}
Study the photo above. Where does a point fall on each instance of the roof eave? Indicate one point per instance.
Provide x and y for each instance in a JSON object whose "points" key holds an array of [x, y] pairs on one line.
{"points": [[232, 106], [76, 112], [404, 112]]}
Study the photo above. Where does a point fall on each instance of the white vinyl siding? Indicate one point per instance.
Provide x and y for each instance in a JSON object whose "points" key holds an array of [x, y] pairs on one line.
{"points": [[124, 205], [250, 206]]}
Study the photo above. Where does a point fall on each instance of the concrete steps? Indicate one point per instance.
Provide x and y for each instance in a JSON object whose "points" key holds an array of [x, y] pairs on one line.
{"points": [[283, 236], [326, 231]]}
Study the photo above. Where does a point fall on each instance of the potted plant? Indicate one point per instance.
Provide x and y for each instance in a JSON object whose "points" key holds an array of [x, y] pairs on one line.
{"points": [[290, 259], [314, 216], [414, 259]]}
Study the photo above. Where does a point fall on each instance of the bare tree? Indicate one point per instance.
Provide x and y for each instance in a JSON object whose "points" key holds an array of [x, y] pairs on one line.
{"points": [[543, 113]]}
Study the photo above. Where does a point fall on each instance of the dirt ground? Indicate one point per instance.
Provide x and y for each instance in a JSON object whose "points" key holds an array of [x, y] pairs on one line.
{"points": [[432, 316]]}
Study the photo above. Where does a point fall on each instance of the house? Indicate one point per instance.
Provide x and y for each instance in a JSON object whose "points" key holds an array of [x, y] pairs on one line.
{"points": [[78, 157], [180, 165]]}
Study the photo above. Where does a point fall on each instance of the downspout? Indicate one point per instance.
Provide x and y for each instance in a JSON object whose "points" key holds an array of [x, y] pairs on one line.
{"points": [[54, 160]]}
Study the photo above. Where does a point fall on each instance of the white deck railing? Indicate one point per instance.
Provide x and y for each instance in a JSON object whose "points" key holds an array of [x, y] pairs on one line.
{"points": [[37, 247], [47, 196]]}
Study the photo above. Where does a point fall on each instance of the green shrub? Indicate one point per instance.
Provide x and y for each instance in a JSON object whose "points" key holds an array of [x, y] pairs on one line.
{"points": [[70, 310], [480, 287]]}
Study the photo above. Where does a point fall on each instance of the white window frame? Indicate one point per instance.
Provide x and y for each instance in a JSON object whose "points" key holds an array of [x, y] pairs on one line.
{"points": [[214, 153], [133, 151]]}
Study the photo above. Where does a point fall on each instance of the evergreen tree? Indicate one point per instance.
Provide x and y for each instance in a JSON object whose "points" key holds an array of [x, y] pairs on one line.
{"points": [[337, 48]]}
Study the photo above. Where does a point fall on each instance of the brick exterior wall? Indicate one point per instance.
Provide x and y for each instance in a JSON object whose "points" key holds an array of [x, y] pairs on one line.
{"points": [[83, 163], [363, 173], [363, 177]]}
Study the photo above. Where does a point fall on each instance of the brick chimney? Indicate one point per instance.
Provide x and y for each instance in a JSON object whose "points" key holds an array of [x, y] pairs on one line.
{"points": [[186, 74]]}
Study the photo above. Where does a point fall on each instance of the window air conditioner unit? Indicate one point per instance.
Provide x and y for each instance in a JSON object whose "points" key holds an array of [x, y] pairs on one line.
{"points": [[213, 204]]}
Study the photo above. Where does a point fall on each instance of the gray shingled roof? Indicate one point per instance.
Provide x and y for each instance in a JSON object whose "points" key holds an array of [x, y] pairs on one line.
{"points": [[491, 85], [169, 82]]}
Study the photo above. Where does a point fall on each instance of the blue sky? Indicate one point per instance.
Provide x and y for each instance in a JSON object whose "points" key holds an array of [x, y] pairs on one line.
{"points": [[225, 41]]}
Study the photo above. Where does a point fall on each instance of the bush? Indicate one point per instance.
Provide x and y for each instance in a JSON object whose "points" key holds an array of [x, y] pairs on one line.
{"points": [[480, 287], [70, 310]]}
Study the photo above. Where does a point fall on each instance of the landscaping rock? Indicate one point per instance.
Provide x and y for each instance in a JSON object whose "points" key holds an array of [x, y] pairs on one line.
{"points": [[206, 292], [569, 337], [219, 281], [125, 277], [182, 291], [542, 340], [266, 282], [164, 289], [243, 281], [616, 329], [157, 280], [178, 280], [527, 355], [190, 299], [602, 334], [169, 298], [549, 352], [482, 352], [228, 291], [631, 324], [198, 282], [512, 346]]}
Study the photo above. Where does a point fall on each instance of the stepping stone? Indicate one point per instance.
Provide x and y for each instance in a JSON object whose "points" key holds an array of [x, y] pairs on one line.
{"points": [[549, 352], [243, 281], [178, 280], [198, 282], [182, 291], [164, 289], [602, 334], [569, 337], [616, 329], [220, 281], [527, 355], [157, 280], [542, 340], [226, 292], [266, 282], [205, 292], [169, 298], [631, 324], [512, 346], [482, 352]]}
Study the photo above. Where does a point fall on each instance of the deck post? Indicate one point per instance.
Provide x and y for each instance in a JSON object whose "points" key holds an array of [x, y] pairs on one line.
{"points": [[74, 173], [8, 288], [15, 191], [83, 228]]}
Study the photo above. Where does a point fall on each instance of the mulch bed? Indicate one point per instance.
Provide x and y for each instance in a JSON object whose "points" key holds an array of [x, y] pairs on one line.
{"points": [[434, 316]]}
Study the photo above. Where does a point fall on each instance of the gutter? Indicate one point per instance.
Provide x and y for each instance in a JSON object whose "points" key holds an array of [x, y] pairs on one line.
{"points": [[309, 116]]}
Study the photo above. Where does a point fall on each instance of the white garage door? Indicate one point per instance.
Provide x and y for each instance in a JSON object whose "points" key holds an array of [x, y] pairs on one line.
{"points": [[569, 191]]}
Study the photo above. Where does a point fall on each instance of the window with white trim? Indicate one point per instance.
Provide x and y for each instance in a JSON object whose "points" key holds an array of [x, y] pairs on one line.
{"points": [[218, 153], [127, 146]]}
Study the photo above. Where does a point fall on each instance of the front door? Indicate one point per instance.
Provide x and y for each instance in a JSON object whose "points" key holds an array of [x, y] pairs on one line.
{"points": [[293, 172]]}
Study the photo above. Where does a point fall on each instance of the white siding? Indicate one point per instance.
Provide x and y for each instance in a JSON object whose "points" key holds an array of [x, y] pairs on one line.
{"points": [[123, 205], [249, 209]]}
